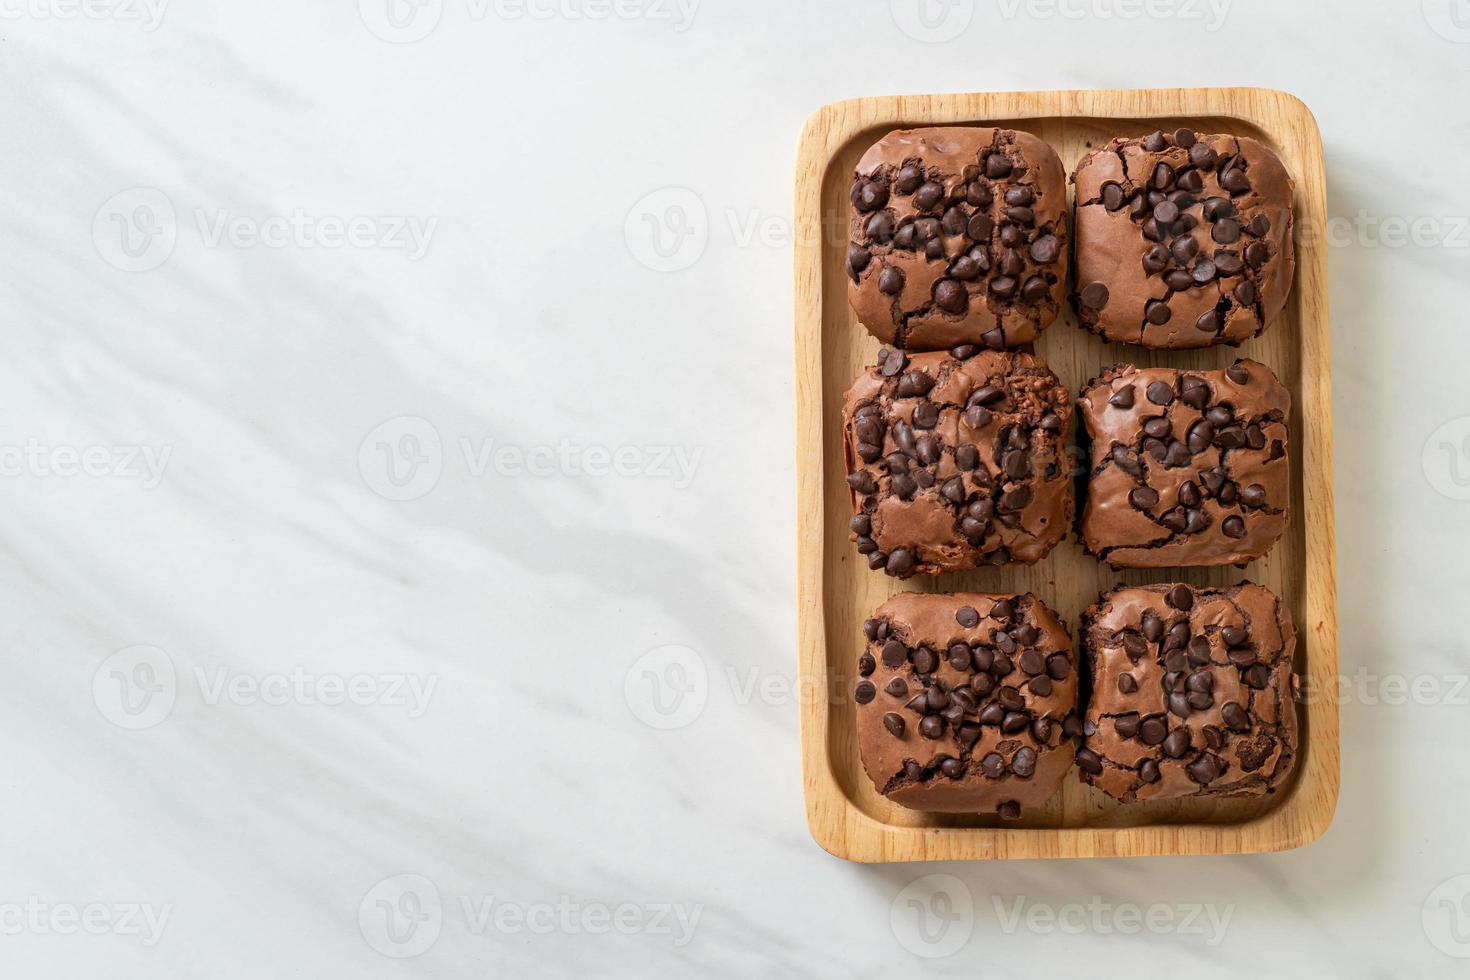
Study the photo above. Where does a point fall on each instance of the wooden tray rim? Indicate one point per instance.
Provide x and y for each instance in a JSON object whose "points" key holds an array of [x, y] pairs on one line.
{"points": [[1306, 813]]}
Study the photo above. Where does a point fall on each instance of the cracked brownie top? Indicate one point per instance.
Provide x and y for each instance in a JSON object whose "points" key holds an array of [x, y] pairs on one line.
{"points": [[958, 236], [957, 459], [1183, 240], [1187, 467], [1192, 692], [966, 703]]}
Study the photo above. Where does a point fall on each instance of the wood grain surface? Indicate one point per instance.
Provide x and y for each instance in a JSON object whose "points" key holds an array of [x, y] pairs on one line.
{"points": [[836, 591]]}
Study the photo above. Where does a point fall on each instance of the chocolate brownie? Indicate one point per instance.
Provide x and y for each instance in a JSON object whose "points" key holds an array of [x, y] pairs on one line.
{"points": [[1187, 467], [1183, 240], [1192, 692], [956, 460], [966, 703], [958, 236]]}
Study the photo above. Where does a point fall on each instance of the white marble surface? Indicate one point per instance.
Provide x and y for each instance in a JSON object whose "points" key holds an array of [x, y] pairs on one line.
{"points": [[254, 676]]}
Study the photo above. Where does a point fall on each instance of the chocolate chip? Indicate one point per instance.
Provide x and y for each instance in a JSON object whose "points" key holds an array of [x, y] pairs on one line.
{"points": [[865, 692], [901, 562], [890, 281], [1024, 762], [1177, 743], [928, 196], [952, 768], [1122, 398], [1225, 231], [910, 176], [1235, 181], [1112, 196], [1183, 138], [1163, 176], [1127, 684], [1180, 597], [1245, 293], [1157, 312], [1155, 142], [1236, 717], [1143, 498], [996, 166], [1094, 296], [1205, 769], [950, 296], [894, 723], [869, 195], [1161, 393], [1089, 762], [1233, 527], [1208, 322], [1257, 676], [897, 687], [932, 726], [1046, 249], [925, 660], [866, 664]]}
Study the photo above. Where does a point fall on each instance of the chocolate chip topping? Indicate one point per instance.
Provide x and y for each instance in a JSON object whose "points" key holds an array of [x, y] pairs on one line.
{"points": [[958, 235], [992, 722], [1190, 716], [1208, 215], [1187, 467], [957, 463]]}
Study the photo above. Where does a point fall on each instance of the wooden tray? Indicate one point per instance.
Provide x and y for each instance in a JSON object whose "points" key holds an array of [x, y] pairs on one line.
{"points": [[836, 591]]}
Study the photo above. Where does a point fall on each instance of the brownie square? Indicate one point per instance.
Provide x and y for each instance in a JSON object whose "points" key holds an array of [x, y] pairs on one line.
{"points": [[1187, 467], [1192, 692], [958, 236], [967, 703], [956, 460], [1183, 240]]}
